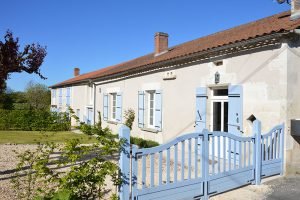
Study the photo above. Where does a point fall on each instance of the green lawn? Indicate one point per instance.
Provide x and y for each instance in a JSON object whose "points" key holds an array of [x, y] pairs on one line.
{"points": [[31, 137]]}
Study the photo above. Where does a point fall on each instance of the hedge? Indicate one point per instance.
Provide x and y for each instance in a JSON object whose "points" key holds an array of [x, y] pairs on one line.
{"points": [[143, 143], [34, 120]]}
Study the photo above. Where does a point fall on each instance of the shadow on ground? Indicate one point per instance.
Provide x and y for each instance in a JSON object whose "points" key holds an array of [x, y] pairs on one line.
{"points": [[285, 188]]}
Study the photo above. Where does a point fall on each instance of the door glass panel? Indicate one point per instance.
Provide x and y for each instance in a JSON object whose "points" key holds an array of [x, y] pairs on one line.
{"points": [[225, 126], [217, 116]]}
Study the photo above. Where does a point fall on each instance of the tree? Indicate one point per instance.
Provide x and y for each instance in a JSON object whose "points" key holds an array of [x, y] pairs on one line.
{"points": [[38, 96], [13, 60], [6, 101]]}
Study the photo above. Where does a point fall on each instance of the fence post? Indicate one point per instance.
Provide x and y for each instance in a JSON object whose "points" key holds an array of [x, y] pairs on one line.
{"points": [[134, 175], [205, 169], [124, 162], [258, 160], [282, 149]]}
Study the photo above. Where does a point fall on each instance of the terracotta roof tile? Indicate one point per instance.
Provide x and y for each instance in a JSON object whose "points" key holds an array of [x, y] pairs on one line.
{"points": [[277, 23]]}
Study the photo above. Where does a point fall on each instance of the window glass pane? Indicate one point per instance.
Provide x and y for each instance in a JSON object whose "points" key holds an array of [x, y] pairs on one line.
{"points": [[151, 96], [113, 105], [216, 116], [221, 92], [114, 113], [151, 104], [151, 108], [225, 117], [151, 121]]}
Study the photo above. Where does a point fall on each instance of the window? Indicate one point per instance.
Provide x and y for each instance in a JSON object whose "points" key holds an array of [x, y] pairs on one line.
{"points": [[68, 94], [112, 107], [113, 97], [53, 92], [220, 92], [90, 116], [90, 95], [150, 109], [60, 96]]}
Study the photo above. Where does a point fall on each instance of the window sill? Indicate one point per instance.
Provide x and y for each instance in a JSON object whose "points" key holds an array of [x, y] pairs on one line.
{"points": [[150, 130], [112, 122]]}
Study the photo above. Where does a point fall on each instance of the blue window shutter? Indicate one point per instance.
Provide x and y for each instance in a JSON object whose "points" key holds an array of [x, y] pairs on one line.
{"points": [[53, 93], [141, 108], [68, 96], [158, 110], [235, 109], [119, 107], [201, 101], [105, 106], [91, 116], [60, 96]]}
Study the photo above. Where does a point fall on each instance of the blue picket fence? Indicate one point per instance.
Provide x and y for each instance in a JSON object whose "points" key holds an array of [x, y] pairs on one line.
{"points": [[199, 165]]}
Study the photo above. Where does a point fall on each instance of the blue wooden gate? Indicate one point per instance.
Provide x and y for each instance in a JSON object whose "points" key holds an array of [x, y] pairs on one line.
{"points": [[187, 169]]}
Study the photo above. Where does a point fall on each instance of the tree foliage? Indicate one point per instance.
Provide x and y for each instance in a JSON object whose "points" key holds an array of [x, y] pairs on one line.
{"points": [[6, 101], [14, 60], [38, 96]]}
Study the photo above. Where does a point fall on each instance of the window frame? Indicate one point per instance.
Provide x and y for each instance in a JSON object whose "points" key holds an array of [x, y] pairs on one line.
{"points": [[90, 94], [113, 108], [53, 96], [68, 96], [60, 94], [148, 117], [222, 100]]}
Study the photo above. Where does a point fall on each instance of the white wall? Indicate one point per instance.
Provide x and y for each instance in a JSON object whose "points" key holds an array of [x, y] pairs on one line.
{"points": [[293, 107], [262, 74]]}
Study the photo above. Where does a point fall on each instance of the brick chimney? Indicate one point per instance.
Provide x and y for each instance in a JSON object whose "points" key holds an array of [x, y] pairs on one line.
{"points": [[161, 42], [76, 71]]}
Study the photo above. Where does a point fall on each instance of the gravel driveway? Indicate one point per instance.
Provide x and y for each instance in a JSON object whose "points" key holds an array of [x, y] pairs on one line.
{"points": [[8, 161]]}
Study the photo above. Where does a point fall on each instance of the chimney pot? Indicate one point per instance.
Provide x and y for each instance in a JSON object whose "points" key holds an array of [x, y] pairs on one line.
{"points": [[161, 42], [76, 71]]}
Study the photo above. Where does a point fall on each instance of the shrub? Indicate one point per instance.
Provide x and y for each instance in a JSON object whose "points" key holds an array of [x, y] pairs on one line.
{"points": [[129, 116]]}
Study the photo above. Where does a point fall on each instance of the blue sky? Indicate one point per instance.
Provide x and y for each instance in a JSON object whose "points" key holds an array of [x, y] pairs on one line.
{"points": [[92, 34]]}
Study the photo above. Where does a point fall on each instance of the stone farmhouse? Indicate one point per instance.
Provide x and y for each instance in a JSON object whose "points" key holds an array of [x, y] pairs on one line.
{"points": [[221, 82]]}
